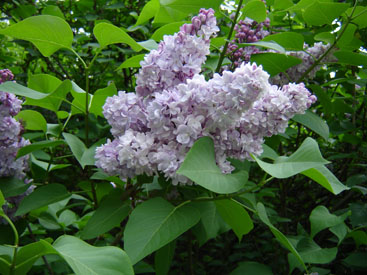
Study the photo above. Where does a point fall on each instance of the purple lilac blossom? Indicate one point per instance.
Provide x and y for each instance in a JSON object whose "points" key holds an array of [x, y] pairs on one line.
{"points": [[247, 31], [308, 57], [154, 130], [11, 141]]}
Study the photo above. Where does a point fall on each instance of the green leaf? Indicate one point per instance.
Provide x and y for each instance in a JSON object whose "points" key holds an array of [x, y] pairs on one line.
{"points": [[111, 211], [54, 91], [351, 58], [321, 218], [252, 268], [359, 16], [255, 10], [326, 178], [275, 63], [264, 44], [200, 166], [167, 29], [149, 11], [88, 155], [320, 13], [99, 99], [175, 10], [149, 44], [2, 199], [306, 157], [340, 231], [29, 254], [32, 120], [291, 41], [79, 102], [85, 259], [42, 196], [53, 10], [38, 145], [12, 186], [145, 233], [235, 216], [326, 37], [108, 34], [313, 122], [278, 235], [282, 4], [163, 258], [77, 147], [313, 253], [17, 89], [48, 33], [132, 62], [356, 260]]}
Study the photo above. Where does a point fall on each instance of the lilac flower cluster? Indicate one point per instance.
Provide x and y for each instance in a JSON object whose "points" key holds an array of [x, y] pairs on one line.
{"points": [[247, 31], [155, 127], [11, 141], [308, 57], [10, 130]]}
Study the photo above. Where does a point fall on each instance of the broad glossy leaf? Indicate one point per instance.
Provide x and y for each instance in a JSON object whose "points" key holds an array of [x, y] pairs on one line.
{"points": [[111, 211], [356, 260], [145, 233], [88, 155], [326, 37], [255, 10], [321, 218], [99, 98], [53, 10], [252, 268], [149, 11], [149, 44], [306, 157], [38, 145], [167, 29], [282, 4], [359, 16], [348, 41], [200, 166], [275, 63], [32, 120], [313, 122], [79, 101], [108, 34], [278, 235], [29, 254], [175, 10], [312, 253], [351, 58], [265, 44], [340, 231], [326, 178], [17, 89], [77, 146], [42, 196], [320, 13], [12, 186], [85, 259], [48, 33], [235, 216], [290, 41]]}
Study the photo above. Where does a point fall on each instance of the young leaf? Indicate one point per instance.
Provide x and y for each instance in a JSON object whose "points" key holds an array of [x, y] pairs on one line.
{"points": [[85, 259], [149, 11], [255, 10], [235, 216], [278, 235], [42, 196], [306, 157], [108, 34], [38, 145], [321, 218], [314, 122], [32, 120], [145, 233], [109, 214], [275, 63], [48, 33], [200, 166], [326, 178], [132, 62]]}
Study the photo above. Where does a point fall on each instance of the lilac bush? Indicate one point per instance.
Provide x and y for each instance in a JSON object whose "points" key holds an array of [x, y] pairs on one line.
{"points": [[174, 105]]}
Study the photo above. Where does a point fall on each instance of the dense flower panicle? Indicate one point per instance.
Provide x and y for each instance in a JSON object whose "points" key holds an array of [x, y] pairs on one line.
{"points": [[10, 142], [247, 31], [308, 57], [152, 134], [178, 57]]}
